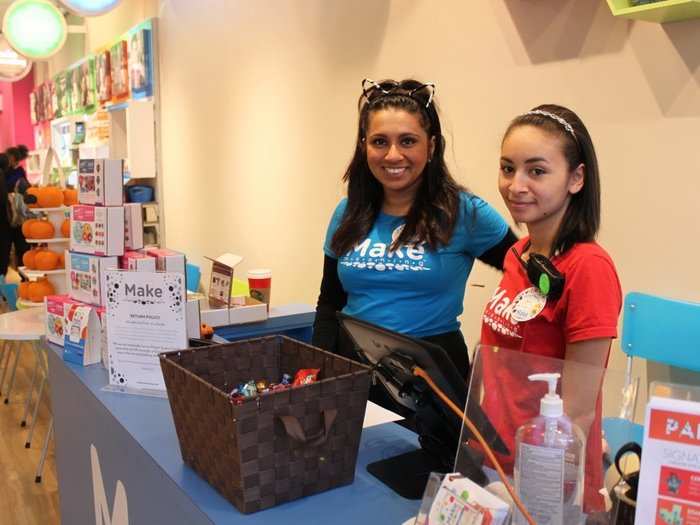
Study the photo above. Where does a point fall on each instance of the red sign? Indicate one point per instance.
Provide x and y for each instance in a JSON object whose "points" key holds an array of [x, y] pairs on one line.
{"points": [[678, 427], [677, 512], [679, 483]]}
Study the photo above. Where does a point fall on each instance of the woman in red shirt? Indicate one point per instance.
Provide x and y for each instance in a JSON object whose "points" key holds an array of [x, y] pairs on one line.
{"points": [[549, 181]]}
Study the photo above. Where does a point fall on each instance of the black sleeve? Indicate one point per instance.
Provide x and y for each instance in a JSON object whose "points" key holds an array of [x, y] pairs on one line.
{"points": [[495, 255], [331, 300]]}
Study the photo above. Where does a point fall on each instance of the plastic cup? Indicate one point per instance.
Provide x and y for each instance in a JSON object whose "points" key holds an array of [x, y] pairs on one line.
{"points": [[260, 284]]}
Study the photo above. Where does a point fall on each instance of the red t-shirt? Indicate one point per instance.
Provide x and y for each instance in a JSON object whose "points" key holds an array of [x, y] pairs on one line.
{"points": [[587, 309]]}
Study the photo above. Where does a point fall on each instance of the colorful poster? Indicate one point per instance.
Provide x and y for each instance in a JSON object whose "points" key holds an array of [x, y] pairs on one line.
{"points": [[120, 71], [104, 77], [140, 64], [145, 316], [73, 80], [32, 107], [50, 100], [86, 84], [62, 107]]}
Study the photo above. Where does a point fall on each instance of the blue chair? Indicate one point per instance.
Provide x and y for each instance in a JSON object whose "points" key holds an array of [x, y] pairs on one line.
{"points": [[666, 331], [9, 292], [192, 276]]}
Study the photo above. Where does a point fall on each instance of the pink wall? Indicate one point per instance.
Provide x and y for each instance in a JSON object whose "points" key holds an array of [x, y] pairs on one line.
{"points": [[7, 126], [15, 122], [24, 131]]}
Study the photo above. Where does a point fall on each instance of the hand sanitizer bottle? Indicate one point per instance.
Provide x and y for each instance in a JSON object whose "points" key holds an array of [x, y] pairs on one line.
{"points": [[549, 462]]}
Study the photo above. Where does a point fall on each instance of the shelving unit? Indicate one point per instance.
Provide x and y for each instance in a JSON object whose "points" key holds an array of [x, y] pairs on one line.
{"points": [[56, 277], [53, 240], [23, 304], [659, 12], [29, 274]]}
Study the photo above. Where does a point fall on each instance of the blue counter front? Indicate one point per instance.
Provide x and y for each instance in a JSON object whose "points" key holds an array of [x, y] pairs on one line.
{"points": [[118, 462]]}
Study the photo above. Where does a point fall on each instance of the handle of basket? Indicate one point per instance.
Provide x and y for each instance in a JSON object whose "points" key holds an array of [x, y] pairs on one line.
{"points": [[294, 430]]}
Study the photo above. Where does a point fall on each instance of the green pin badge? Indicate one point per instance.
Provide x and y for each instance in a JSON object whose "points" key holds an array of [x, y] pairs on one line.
{"points": [[544, 283]]}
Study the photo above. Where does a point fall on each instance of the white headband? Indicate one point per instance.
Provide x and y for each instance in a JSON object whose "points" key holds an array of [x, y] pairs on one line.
{"points": [[557, 118]]}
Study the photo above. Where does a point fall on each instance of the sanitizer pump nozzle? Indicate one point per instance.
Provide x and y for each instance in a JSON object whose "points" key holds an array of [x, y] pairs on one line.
{"points": [[551, 404]]}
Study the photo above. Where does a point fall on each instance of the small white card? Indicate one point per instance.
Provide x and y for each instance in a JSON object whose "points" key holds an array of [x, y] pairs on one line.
{"points": [[81, 337], [146, 315]]}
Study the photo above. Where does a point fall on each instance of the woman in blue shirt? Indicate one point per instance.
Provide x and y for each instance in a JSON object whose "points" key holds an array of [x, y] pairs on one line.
{"points": [[400, 247]]}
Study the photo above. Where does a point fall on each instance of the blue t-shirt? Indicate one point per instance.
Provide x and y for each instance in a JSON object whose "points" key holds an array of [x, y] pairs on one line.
{"points": [[414, 290]]}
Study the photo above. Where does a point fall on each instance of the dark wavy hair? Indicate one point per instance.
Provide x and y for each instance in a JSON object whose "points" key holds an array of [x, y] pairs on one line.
{"points": [[18, 153], [582, 217], [434, 212]]}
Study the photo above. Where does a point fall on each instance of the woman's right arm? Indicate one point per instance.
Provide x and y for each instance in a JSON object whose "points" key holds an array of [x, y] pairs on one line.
{"points": [[331, 300]]}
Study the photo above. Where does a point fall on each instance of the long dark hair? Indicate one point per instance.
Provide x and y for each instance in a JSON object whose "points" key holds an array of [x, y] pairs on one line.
{"points": [[434, 212], [582, 217], [4, 203]]}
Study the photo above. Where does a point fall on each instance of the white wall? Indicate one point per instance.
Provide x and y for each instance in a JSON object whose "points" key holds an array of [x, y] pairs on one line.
{"points": [[259, 115]]}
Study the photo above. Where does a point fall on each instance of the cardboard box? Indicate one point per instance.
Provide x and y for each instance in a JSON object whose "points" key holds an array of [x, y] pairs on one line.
{"points": [[133, 226], [215, 315], [97, 230], [137, 261], [55, 322], [194, 320], [101, 182], [252, 312], [104, 349], [82, 337], [167, 260], [85, 277]]}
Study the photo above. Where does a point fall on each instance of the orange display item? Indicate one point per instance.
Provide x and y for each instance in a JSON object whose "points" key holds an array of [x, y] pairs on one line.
{"points": [[61, 261], [206, 331], [65, 228], [70, 197], [40, 289], [35, 192], [47, 197], [41, 229], [46, 260], [51, 197], [29, 258], [26, 228], [23, 290]]}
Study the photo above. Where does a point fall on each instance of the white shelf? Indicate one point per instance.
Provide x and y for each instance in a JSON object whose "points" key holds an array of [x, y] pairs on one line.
{"points": [[24, 303], [39, 273], [53, 240], [49, 210]]}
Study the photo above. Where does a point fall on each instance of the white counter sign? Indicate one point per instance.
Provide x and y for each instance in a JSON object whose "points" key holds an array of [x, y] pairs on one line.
{"points": [[145, 316]]}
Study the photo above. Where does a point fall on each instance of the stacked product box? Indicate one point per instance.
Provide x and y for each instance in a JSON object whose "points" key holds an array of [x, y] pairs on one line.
{"points": [[97, 239], [137, 261]]}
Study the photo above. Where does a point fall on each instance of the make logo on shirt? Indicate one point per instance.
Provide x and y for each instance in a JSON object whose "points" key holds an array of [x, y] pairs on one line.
{"points": [[498, 315], [379, 257]]}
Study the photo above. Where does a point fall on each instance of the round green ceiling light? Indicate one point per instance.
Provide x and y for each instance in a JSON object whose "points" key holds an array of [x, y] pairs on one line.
{"points": [[90, 7], [34, 28]]}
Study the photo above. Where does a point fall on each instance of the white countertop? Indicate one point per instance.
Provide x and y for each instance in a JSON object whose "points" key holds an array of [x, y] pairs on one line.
{"points": [[23, 325]]}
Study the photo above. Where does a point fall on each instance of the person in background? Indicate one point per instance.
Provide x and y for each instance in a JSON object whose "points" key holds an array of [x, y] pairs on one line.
{"points": [[5, 230], [550, 183], [16, 182], [16, 155], [400, 247]]}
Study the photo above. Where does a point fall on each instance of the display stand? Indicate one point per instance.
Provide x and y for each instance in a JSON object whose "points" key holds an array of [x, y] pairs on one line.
{"points": [[120, 448]]}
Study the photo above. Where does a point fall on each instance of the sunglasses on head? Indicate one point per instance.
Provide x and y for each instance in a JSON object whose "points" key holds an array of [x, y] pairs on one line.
{"points": [[373, 90]]}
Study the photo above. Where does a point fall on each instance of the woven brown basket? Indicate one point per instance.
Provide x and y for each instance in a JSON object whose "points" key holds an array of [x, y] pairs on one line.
{"points": [[279, 446]]}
